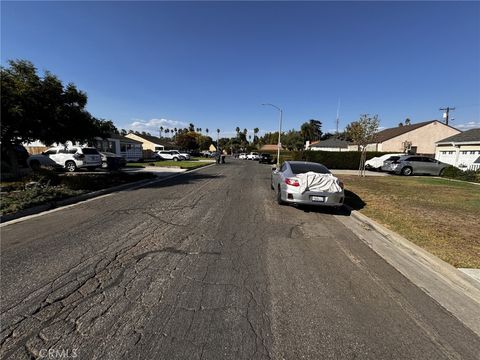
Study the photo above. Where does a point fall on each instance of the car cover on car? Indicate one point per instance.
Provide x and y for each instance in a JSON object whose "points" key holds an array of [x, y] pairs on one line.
{"points": [[312, 181]]}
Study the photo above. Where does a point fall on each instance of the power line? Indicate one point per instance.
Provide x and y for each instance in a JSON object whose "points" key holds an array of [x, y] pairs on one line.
{"points": [[446, 113]]}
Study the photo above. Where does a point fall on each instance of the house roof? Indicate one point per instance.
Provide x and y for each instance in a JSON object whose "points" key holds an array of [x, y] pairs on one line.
{"points": [[390, 133], [466, 136], [155, 140], [331, 143], [124, 139]]}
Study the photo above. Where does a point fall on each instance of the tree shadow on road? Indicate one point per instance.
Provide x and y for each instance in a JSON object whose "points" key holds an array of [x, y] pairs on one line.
{"points": [[184, 179]]}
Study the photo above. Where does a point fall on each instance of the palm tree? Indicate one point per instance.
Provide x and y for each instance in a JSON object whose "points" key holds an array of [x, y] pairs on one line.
{"points": [[206, 130], [161, 130], [245, 131], [191, 127], [237, 129], [167, 131], [255, 132]]}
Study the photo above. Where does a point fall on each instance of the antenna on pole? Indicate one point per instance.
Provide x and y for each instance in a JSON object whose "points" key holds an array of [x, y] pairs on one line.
{"points": [[338, 114]]}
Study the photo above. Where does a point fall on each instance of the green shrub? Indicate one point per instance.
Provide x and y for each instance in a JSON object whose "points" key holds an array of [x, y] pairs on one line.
{"points": [[347, 160], [453, 172]]}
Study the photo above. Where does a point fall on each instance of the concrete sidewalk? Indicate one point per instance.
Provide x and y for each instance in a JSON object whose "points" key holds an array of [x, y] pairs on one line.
{"points": [[157, 170], [456, 290]]}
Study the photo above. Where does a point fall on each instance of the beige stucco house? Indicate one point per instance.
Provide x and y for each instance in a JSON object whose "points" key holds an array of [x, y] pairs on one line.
{"points": [[417, 138], [462, 150]]}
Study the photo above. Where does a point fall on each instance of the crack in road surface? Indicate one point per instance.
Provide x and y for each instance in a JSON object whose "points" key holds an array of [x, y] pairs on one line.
{"points": [[208, 266]]}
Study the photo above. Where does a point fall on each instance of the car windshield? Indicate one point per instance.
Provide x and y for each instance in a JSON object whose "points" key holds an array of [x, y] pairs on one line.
{"points": [[90, 151], [300, 168]]}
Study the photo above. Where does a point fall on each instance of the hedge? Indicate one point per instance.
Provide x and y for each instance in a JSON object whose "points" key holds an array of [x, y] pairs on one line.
{"points": [[453, 172], [348, 160]]}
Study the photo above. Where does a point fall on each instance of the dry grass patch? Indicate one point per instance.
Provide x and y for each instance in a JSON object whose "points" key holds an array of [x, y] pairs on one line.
{"points": [[441, 216]]}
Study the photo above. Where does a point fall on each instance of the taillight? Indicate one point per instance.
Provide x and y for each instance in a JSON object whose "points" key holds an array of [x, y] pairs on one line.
{"points": [[292, 182]]}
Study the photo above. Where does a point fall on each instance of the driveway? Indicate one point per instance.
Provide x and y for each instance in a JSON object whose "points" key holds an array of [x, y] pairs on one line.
{"points": [[207, 266]]}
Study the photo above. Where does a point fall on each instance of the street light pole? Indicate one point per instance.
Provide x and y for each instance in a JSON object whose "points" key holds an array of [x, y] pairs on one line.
{"points": [[279, 133]]}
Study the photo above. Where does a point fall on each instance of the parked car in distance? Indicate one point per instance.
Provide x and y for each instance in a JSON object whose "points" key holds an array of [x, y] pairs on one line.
{"points": [[69, 158], [265, 158], [170, 155], [253, 156], [387, 164], [416, 165], [185, 155], [112, 161], [319, 187], [376, 163], [242, 156]]}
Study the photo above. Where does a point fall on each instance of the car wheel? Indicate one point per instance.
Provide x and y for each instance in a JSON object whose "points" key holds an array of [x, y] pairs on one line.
{"points": [[279, 197], [35, 165], [407, 171], [104, 165], [441, 172], [70, 166], [175, 159]]}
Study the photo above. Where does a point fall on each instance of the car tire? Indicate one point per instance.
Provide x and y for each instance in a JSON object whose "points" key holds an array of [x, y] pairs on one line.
{"points": [[35, 165], [279, 197], [441, 172], [407, 171], [175, 159], [70, 166]]}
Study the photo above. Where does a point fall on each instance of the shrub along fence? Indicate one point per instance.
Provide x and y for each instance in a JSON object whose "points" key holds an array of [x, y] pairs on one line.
{"points": [[452, 172], [348, 160]]}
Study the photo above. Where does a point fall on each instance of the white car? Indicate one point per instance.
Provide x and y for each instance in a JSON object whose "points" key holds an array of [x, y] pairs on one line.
{"points": [[242, 156], [69, 158], [184, 154], [376, 163], [253, 156], [170, 155]]}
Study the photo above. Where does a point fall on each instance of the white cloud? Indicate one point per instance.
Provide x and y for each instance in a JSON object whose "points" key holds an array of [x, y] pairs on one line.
{"points": [[468, 125], [153, 125]]}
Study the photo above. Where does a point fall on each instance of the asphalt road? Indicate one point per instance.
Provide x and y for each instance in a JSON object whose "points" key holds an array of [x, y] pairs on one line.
{"points": [[207, 266]]}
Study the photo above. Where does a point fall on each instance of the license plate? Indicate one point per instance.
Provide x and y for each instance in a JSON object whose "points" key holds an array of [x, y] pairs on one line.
{"points": [[318, 198]]}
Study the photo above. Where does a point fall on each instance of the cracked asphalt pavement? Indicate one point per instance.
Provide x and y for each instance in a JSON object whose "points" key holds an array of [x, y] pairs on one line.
{"points": [[206, 265]]}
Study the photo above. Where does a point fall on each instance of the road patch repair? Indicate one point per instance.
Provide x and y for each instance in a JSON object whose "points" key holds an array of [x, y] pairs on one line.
{"points": [[457, 291]]}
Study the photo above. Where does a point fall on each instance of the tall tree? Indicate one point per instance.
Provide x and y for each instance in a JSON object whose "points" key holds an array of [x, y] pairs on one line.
{"points": [[161, 131], [191, 127], [362, 133], [42, 108]]}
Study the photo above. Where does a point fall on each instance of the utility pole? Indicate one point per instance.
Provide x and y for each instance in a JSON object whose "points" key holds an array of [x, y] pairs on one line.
{"points": [[446, 113], [338, 113]]}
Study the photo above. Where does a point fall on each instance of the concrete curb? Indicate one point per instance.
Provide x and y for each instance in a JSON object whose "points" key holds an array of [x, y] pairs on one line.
{"points": [[57, 205], [455, 291]]}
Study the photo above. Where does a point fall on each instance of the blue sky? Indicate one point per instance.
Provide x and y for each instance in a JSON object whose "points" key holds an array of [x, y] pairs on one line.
{"points": [[146, 64]]}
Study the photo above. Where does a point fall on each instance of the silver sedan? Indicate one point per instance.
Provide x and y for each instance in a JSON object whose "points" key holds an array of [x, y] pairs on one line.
{"points": [[291, 187]]}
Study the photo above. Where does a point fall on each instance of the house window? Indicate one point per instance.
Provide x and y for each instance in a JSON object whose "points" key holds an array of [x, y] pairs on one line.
{"points": [[472, 152], [123, 148]]}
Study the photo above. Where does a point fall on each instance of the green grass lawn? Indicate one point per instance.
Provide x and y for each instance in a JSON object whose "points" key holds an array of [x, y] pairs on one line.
{"points": [[439, 215], [191, 164]]}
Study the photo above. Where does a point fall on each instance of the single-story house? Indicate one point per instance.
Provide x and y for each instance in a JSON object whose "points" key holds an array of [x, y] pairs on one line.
{"points": [[461, 150], [331, 144], [212, 148], [417, 138], [128, 148], [152, 143]]}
